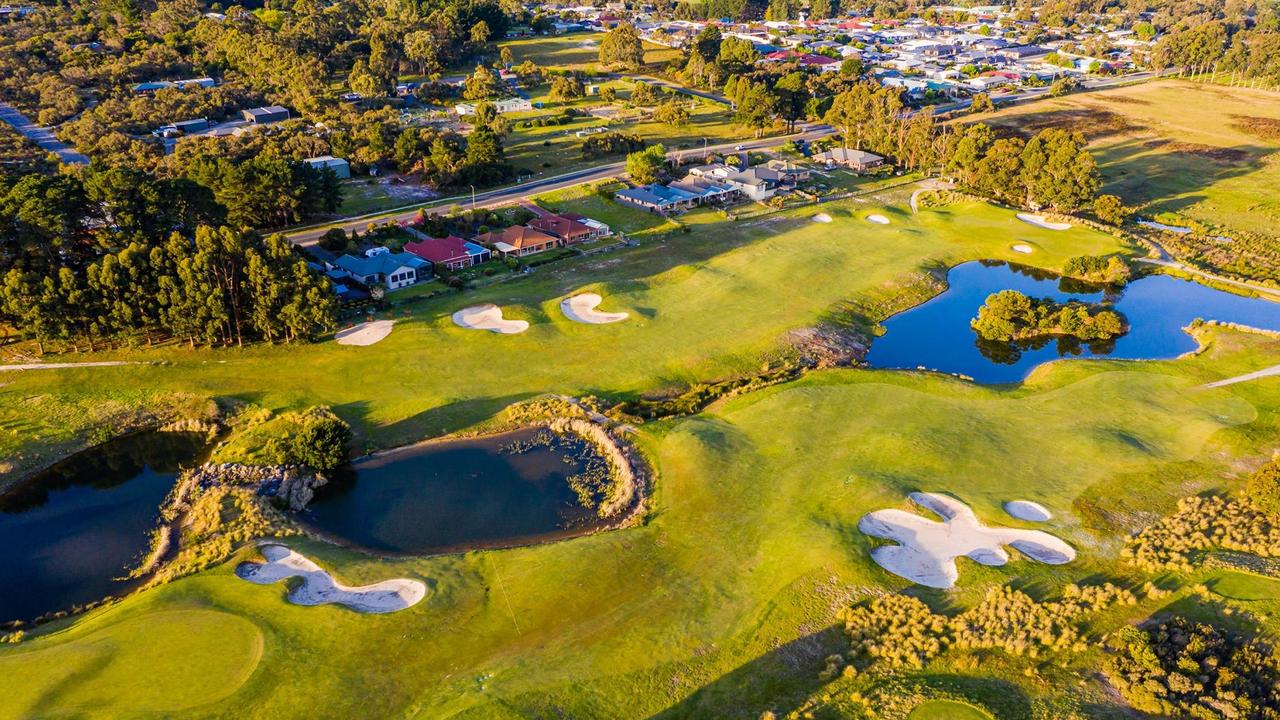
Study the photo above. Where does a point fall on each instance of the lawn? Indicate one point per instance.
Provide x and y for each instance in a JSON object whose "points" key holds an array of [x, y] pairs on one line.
{"points": [[588, 200], [1177, 147], [947, 710], [721, 604]]}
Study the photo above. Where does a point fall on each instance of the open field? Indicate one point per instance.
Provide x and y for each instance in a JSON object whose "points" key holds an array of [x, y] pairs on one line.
{"points": [[575, 51], [708, 304], [1183, 152]]}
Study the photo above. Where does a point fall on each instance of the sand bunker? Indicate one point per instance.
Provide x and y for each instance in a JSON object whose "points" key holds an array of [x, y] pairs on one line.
{"points": [[822, 218], [1027, 510], [1041, 221], [582, 308], [927, 548], [366, 333], [319, 588], [878, 219], [488, 317], [1024, 249]]}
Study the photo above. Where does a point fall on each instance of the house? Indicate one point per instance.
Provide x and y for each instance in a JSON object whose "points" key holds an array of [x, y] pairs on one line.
{"points": [[394, 270], [707, 191], [502, 105], [713, 171], [519, 241], [790, 172], [146, 87], [856, 160], [569, 231], [265, 115], [657, 197], [821, 63], [757, 183], [598, 229], [340, 168], [451, 252]]}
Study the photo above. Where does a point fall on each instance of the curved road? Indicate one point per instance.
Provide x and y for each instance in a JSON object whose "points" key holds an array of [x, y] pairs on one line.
{"points": [[41, 136]]}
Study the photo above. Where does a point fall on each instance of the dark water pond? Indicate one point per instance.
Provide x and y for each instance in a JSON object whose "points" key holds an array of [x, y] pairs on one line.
{"points": [[937, 336], [67, 534], [455, 495]]}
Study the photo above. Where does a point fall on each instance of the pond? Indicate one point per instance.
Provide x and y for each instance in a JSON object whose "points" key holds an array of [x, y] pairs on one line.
{"points": [[937, 336], [71, 531], [456, 495]]}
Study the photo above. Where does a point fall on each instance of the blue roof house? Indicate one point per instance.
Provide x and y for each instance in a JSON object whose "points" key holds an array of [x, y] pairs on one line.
{"points": [[394, 270]]}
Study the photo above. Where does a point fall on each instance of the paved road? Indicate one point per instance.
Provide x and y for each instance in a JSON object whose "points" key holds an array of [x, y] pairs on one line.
{"points": [[516, 193], [40, 136]]}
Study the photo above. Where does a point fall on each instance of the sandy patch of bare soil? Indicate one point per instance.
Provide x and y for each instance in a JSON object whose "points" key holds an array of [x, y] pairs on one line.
{"points": [[488, 317], [582, 308], [319, 588], [927, 549], [1028, 510], [1042, 221], [878, 219], [366, 333]]}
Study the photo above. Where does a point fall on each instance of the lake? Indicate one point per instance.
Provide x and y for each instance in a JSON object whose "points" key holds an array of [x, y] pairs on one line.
{"points": [[455, 495], [69, 532], [937, 336]]}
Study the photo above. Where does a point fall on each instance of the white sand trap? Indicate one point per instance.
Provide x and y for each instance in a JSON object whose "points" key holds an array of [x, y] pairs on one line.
{"points": [[1041, 221], [319, 588], [366, 333], [822, 218], [1028, 510], [582, 308], [488, 317], [1024, 249], [878, 219], [928, 548]]}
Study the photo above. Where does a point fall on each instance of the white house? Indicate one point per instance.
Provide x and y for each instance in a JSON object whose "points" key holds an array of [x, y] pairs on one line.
{"points": [[503, 105]]}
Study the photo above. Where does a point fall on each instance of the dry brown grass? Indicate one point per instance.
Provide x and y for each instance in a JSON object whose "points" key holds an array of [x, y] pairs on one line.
{"points": [[1263, 128]]}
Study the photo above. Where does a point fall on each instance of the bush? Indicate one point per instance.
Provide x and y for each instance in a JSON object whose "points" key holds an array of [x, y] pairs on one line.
{"points": [[1264, 488], [334, 240]]}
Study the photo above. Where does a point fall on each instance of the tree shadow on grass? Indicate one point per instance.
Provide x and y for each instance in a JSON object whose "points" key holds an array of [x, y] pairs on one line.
{"points": [[781, 678], [434, 422], [1143, 170]]}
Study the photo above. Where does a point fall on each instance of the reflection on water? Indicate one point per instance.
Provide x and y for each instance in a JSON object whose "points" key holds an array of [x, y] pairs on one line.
{"points": [[70, 532], [937, 336]]}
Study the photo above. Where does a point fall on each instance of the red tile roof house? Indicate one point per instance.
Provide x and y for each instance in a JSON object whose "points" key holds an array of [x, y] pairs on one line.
{"points": [[450, 252], [518, 241], [569, 231], [598, 229]]}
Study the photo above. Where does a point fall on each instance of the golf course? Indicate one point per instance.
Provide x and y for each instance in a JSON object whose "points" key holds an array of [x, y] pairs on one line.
{"points": [[724, 597]]}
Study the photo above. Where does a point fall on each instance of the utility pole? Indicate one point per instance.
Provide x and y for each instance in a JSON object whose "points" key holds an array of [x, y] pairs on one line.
{"points": [[473, 198]]}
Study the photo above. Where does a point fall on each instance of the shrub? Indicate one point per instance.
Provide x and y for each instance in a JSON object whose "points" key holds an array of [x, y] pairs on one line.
{"points": [[1264, 488], [334, 240]]}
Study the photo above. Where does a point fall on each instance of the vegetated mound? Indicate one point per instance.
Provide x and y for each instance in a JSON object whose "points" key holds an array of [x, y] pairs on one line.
{"points": [[1092, 121], [1178, 667], [1010, 316], [1264, 128]]}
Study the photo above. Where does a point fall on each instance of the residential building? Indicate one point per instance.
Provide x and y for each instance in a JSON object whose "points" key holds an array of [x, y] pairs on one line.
{"points": [[266, 115], [568, 231], [857, 160], [659, 198], [519, 241], [339, 167], [598, 229], [502, 105], [394, 270], [450, 252], [757, 183], [146, 87]]}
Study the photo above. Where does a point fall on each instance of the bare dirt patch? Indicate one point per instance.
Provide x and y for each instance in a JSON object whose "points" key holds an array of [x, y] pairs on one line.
{"points": [[1263, 128], [1093, 122]]}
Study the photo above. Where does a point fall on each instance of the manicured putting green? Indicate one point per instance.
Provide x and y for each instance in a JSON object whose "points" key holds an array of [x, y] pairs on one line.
{"points": [[1245, 586], [160, 662], [947, 710]]}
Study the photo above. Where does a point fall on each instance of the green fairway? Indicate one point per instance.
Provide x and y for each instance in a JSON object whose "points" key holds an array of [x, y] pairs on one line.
{"points": [[946, 710], [708, 304], [160, 662], [1245, 586]]}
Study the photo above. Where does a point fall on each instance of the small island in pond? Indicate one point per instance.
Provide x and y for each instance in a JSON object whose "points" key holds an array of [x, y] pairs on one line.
{"points": [[1010, 316]]}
